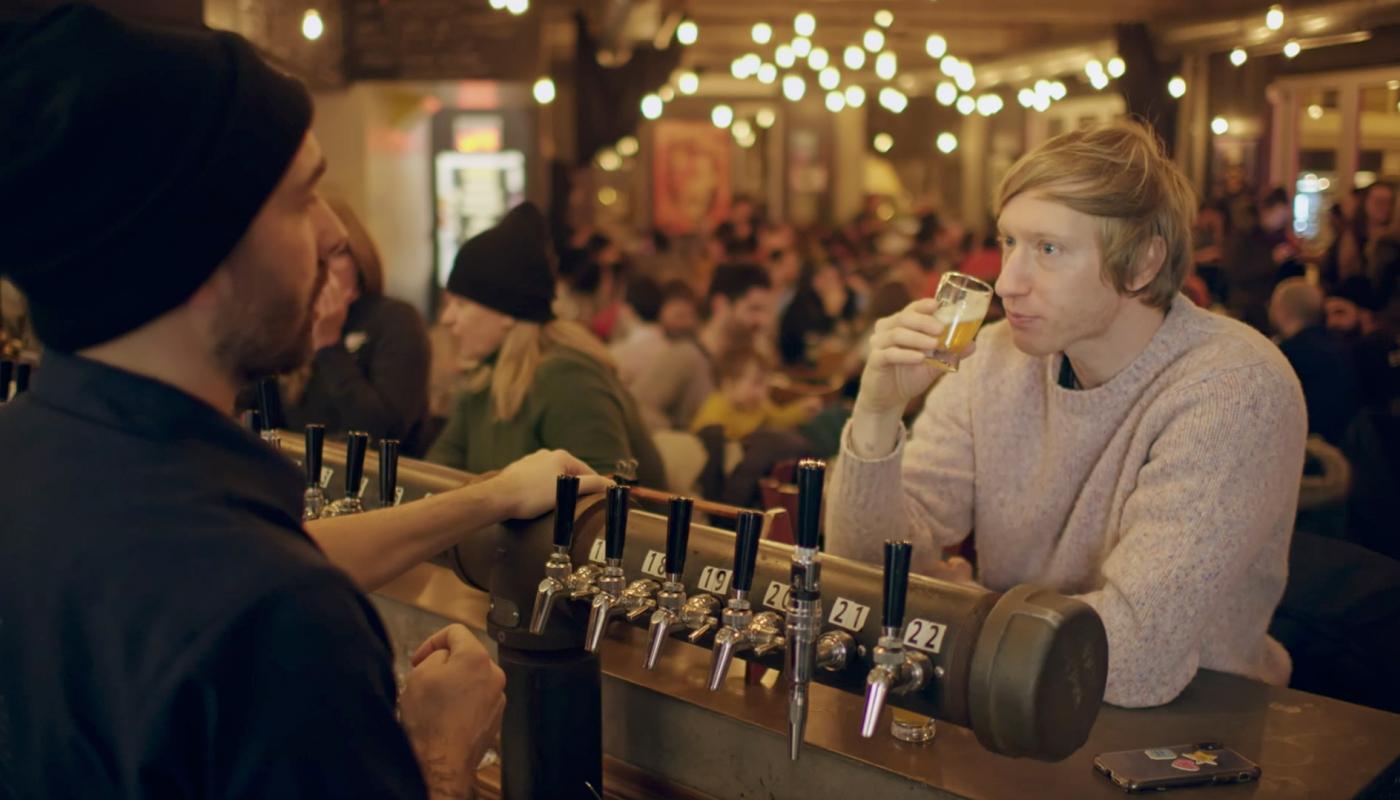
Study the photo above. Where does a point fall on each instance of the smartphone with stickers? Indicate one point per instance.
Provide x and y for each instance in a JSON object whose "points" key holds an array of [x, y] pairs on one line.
{"points": [[1158, 768]]}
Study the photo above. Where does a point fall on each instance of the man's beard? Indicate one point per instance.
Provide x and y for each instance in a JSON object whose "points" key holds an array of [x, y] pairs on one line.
{"points": [[260, 332]]}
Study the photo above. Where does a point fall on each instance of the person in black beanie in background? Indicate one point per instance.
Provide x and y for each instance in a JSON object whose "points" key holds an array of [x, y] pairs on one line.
{"points": [[167, 627]]}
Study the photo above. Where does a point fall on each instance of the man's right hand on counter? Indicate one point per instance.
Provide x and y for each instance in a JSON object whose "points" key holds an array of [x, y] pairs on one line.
{"points": [[528, 485], [451, 709]]}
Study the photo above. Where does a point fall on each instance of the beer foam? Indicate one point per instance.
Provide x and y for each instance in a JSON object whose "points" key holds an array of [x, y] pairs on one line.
{"points": [[973, 306]]}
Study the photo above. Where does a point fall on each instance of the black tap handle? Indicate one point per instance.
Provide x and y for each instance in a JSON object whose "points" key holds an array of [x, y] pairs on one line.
{"points": [[565, 503], [255, 421], [678, 534], [746, 536], [270, 403], [896, 581], [22, 371], [355, 445], [810, 473], [7, 371], [388, 471], [618, 498], [315, 444]]}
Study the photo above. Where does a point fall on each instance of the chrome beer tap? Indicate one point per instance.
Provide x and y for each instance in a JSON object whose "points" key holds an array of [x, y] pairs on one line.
{"points": [[804, 611], [314, 498], [896, 670], [355, 445], [270, 406], [612, 583], [670, 601], [388, 472], [741, 629], [558, 569]]}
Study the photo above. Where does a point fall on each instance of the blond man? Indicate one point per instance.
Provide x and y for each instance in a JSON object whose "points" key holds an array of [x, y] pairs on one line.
{"points": [[1108, 440]]}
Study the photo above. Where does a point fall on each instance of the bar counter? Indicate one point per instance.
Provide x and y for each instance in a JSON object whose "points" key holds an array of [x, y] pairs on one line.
{"points": [[666, 735]]}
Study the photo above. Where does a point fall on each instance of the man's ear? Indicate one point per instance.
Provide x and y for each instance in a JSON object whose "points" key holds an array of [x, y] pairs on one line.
{"points": [[1149, 264]]}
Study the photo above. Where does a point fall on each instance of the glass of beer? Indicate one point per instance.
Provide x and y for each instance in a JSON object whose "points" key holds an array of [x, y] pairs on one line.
{"points": [[962, 304]]}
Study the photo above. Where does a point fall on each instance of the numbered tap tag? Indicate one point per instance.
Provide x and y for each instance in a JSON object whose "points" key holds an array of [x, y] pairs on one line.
{"points": [[364, 482], [776, 596], [598, 553], [326, 474], [654, 564], [426, 495], [398, 495], [925, 635], [848, 614], [715, 580]]}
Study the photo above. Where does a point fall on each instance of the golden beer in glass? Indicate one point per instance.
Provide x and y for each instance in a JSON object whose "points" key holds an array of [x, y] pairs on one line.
{"points": [[962, 305]]}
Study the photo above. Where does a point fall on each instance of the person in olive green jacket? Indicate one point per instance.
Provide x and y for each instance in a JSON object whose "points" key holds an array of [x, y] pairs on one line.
{"points": [[537, 382]]}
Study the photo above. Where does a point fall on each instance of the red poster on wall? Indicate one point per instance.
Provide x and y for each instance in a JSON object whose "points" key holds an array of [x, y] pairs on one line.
{"points": [[691, 189]]}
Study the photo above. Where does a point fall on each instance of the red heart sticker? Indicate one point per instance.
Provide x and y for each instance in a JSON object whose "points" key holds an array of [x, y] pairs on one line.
{"points": [[1186, 765]]}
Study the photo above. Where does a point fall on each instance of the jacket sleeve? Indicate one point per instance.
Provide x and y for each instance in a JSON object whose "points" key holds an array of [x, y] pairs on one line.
{"points": [[450, 447], [390, 396], [583, 414]]}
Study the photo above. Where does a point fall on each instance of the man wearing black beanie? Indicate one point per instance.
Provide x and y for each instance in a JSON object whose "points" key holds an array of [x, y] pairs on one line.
{"points": [[167, 626]]}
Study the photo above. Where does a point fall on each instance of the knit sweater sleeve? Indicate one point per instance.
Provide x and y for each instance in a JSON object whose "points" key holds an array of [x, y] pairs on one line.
{"points": [[1219, 487], [922, 491], [582, 412]]}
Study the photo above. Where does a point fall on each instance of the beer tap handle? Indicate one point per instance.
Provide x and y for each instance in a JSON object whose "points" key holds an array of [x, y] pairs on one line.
{"points": [[355, 445], [896, 583], [678, 534], [746, 537], [615, 536], [810, 474], [315, 445], [565, 504], [255, 421], [270, 403], [388, 471], [7, 372], [22, 372]]}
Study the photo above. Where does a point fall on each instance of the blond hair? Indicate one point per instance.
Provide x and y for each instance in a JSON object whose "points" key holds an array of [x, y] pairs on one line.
{"points": [[1119, 173], [363, 251], [524, 347]]}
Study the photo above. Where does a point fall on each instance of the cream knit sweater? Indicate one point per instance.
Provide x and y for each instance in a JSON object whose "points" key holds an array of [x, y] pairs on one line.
{"points": [[1163, 498]]}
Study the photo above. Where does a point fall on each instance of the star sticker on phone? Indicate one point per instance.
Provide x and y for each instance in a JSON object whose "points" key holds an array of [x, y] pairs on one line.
{"points": [[1202, 757]]}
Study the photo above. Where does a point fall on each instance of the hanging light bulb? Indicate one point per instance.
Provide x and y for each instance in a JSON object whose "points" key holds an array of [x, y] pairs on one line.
{"points": [[784, 57], [1099, 81], [874, 40], [947, 142], [936, 46], [1058, 90], [1238, 56], [765, 118], [794, 87], [667, 94], [966, 105], [609, 160], [652, 106], [767, 74], [1274, 19], [854, 57], [742, 129], [946, 93], [544, 91], [829, 78], [1220, 126], [884, 18], [687, 33], [835, 102], [804, 24], [628, 146], [965, 79], [1292, 49], [736, 68], [1026, 97], [818, 59], [722, 116], [1093, 67], [688, 82], [517, 7], [886, 65], [855, 96], [1117, 67], [1042, 103], [949, 65], [883, 142], [311, 25], [893, 99], [802, 47], [989, 104], [762, 33], [1176, 87]]}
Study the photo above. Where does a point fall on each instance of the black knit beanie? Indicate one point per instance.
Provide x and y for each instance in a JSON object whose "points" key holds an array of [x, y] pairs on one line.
{"points": [[506, 268], [132, 160]]}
